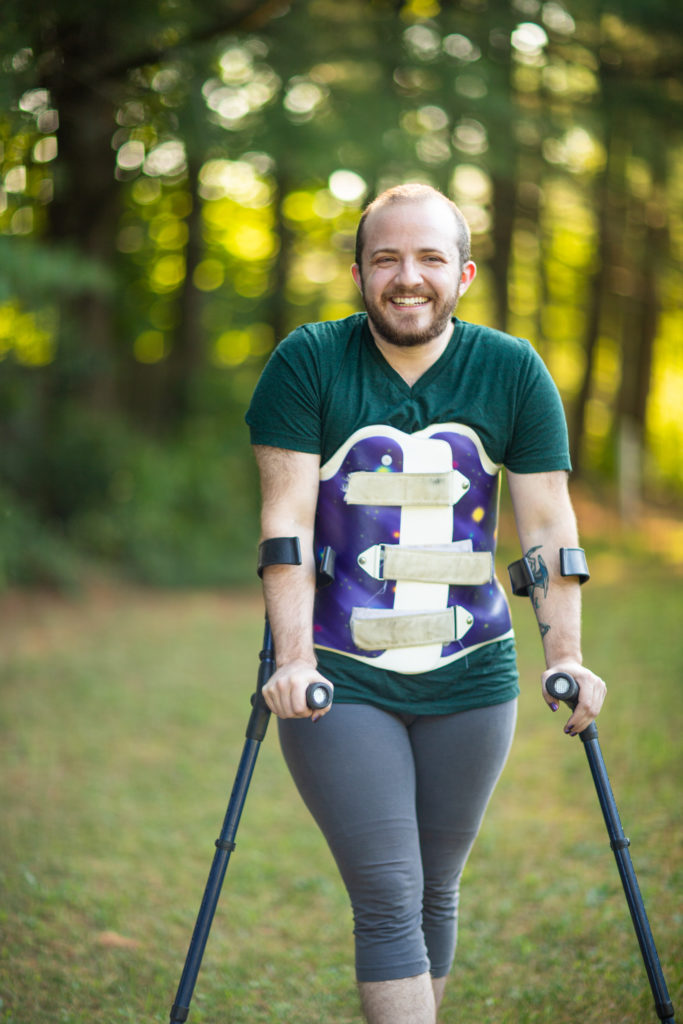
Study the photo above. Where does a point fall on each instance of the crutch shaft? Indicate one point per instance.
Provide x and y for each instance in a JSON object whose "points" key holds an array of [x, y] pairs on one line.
{"points": [[225, 844], [318, 696], [564, 687], [620, 847]]}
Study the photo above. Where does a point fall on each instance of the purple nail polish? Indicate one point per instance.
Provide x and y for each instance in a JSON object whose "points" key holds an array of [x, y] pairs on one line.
{"points": [[554, 706]]}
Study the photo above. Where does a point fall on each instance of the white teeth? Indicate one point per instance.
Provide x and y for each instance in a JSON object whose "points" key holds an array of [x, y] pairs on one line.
{"points": [[413, 300]]}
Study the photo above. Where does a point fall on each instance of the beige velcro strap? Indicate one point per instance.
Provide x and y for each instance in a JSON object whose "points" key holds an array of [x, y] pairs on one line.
{"points": [[375, 629], [406, 488], [434, 564]]}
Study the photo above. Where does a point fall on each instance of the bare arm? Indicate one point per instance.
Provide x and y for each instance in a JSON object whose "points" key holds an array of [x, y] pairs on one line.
{"points": [[545, 523], [289, 492]]}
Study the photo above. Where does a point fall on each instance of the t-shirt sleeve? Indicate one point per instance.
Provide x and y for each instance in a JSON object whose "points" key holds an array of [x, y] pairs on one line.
{"points": [[285, 408], [538, 441]]}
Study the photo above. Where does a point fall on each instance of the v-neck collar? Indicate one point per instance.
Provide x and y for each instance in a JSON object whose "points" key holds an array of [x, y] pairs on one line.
{"points": [[430, 373]]}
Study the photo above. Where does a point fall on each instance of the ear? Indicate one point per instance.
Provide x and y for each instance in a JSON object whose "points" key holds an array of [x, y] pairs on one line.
{"points": [[467, 276], [356, 275]]}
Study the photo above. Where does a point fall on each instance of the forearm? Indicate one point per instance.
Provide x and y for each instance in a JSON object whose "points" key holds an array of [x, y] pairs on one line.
{"points": [[545, 524], [556, 599], [289, 485], [289, 593]]}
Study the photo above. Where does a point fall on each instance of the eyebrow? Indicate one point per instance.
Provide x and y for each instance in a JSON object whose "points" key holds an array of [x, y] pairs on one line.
{"points": [[424, 249]]}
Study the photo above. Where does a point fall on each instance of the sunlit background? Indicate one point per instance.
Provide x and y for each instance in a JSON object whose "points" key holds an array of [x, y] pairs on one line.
{"points": [[180, 189]]}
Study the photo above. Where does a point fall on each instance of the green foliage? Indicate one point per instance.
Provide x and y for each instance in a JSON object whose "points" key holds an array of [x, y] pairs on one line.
{"points": [[176, 513], [32, 551], [181, 513], [36, 273]]}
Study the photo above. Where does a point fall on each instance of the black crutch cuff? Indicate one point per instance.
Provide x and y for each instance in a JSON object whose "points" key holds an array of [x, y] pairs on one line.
{"points": [[278, 551], [573, 563], [521, 577]]}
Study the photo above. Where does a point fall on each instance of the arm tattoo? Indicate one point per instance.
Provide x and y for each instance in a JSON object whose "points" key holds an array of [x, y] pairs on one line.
{"points": [[541, 580]]}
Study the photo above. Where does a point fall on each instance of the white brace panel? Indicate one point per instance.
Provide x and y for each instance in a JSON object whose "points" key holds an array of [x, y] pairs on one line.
{"points": [[429, 563], [376, 629], [406, 488], [423, 455], [334, 464]]}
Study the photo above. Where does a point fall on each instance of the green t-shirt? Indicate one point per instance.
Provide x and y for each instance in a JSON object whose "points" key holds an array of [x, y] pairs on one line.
{"points": [[325, 381]]}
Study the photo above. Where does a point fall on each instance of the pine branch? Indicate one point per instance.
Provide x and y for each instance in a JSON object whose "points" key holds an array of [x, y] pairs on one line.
{"points": [[252, 16]]}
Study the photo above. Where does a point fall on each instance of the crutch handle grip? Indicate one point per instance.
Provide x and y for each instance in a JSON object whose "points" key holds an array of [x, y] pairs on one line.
{"points": [[318, 696], [562, 686]]}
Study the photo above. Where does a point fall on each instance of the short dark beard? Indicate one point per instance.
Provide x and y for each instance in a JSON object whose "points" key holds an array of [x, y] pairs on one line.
{"points": [[385, 330]]}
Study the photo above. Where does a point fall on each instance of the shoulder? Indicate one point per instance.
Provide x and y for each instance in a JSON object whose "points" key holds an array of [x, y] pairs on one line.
{"points": [[326, 337], [489, 340], [307, 360], [505, 358]]}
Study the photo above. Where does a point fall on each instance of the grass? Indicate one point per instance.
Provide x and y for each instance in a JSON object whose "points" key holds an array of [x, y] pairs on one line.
{"points": [[122, 718]]}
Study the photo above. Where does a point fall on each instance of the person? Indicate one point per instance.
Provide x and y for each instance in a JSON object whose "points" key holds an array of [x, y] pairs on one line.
{"points": [[381, 438]]}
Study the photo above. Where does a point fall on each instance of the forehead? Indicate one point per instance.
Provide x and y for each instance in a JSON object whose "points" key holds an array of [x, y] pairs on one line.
{"points": [[411, 225]]}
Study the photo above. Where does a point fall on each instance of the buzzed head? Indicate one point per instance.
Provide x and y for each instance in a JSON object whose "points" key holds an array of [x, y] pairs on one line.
{"points": [[416, 193]]}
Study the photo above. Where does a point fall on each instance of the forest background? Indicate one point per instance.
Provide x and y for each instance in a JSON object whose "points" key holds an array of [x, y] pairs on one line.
{"points": [[179, 188]]}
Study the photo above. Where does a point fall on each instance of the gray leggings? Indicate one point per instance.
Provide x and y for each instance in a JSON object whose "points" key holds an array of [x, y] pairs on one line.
{"points": [[400, 799]]}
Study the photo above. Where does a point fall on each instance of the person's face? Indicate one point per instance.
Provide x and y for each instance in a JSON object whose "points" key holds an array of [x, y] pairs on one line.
{"points": [[411, 276]]}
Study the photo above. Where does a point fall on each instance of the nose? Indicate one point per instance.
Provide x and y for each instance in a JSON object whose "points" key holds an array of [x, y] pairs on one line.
{"points": [[408, 272]]}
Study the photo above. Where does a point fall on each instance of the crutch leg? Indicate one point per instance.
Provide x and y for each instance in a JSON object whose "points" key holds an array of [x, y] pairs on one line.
{"points": [[318, 696], [564, 687]]}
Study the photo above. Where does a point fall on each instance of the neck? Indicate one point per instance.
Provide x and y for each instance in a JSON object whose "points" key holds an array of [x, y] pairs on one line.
{"points": [[411, 361]]}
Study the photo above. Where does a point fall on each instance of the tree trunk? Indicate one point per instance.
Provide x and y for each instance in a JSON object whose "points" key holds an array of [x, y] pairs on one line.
{"points": [[641, 316], [503, 223], [84, 214], [278, 303], [598, 288], [186, 355]]}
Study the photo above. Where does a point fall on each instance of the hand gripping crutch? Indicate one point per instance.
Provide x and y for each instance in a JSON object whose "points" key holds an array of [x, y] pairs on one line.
{"points": [[318, 696], [564, 687]]}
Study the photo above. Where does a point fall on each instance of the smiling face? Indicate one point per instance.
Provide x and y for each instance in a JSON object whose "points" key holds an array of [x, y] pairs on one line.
{"points": [[411, 275]]}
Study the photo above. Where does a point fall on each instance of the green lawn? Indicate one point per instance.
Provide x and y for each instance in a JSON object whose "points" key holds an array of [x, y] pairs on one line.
{"points": [[122, 718]]}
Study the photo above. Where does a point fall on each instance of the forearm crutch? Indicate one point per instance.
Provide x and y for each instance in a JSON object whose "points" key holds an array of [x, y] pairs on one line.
{"points": [[318, 696], [564, 687]]}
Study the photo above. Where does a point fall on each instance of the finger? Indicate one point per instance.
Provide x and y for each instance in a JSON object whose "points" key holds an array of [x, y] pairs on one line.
{"points": [[585, 713], [297, 702], [552, 704], [550, 701], [320, 713], [272, 699], [592, 697], [286, 699], [277, 697], [286, 696]]}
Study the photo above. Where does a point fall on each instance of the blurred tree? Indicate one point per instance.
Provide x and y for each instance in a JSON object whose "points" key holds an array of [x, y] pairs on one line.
{"points": [[637, 52], [180, 185], [88, 74]]}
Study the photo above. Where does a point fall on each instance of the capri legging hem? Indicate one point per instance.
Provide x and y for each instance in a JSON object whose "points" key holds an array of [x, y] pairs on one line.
{"points": [[399, 799], [397, 972]]}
